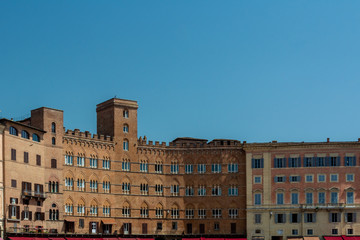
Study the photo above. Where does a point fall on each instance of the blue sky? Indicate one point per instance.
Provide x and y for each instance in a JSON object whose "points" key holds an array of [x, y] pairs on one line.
{"points": [[247, 70]]}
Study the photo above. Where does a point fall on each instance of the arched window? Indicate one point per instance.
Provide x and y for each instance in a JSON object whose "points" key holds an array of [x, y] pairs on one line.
{"points": [[13, 131], [35, 137], [25, 134], [126, 113], [53, 127], [126, 145], [126, 128], [144, 211], [53, 141], [54, 213]]}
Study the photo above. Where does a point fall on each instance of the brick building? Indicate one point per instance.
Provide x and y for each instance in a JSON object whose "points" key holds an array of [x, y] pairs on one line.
{"points": [[112, 182]]}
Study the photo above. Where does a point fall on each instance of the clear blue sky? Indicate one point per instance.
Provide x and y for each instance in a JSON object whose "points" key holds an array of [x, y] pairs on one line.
{"points": [[247, 70]]}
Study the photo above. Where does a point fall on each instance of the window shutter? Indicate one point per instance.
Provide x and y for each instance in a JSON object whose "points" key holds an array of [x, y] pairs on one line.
{"points": [[299, 217], [16, 201], [22, 215], [30, 215], [314, 217], [327, 160], [17, 212], [252, 163], [284, 216], [330, 218], [275, 163], [41, 188], [275, 179], [338, 161], [276, 218], [354, 161], [346, 217], [354, 217], [306, 217], [42, 215], [338, 217], [284, 162], [262, 163], [10, 207], [299, 162]]}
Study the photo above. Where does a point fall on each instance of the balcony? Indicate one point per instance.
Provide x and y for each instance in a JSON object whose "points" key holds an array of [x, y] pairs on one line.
{"points": [[33, 194]]}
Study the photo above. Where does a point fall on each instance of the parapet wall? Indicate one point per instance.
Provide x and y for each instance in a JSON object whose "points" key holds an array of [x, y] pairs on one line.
{"points": [[87, 136]]}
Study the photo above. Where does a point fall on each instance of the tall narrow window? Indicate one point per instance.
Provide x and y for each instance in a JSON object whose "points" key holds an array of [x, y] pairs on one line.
{"points": [[53, 127], [126, 113], [53, 141], [126, 128], [126, 145]]}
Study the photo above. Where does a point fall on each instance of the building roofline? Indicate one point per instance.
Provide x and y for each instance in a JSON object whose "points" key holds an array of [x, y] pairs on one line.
{"points": [[21, 124]]}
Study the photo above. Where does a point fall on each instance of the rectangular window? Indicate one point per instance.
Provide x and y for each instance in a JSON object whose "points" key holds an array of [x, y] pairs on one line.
{"points": [[216, 213], [13, 183], [159, 189], [334, 178], [174, 189], [320, 162], [321, 178], [350, 231], [334, 231], [309, 217], [53, 163], [279, 162], [295, 178], [321, 198], [202, 190], [294, 232], [294, 198], [189, 168], [233, 191], [189, 213], [279, 179], [189, 191], [233, 213], [350, 177], [174, 168], [280, 198], [309, 178], [334, 217], [334, 197], [334, 161], [349, 197], [257, 199], [257, 179], [80, 161], [216, 190], [350, 217], [68, 160], [125, 165], [201, 168], [257, 163], [216, 168], [350, 161], [26, 157], [294, 217], [309, 162], [233, 168], [280, 218], [309, 198], [93, 162], [202, 213], [106, 164], [257, 218], [38, 160], [13, 154], [295, 162], [310, 232]]}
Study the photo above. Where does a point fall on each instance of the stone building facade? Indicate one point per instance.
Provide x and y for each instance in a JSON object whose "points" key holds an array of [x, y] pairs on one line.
{"points": [[302, 189]]}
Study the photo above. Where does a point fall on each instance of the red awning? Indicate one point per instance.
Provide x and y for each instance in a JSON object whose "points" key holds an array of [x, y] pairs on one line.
{"points": [[214, 238], [22, 238], [110, 238], [144, 239], [77, 238], [235, 239], [333, 238], [351, 237], [191, 239], [55, 238], [37, 238]]}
